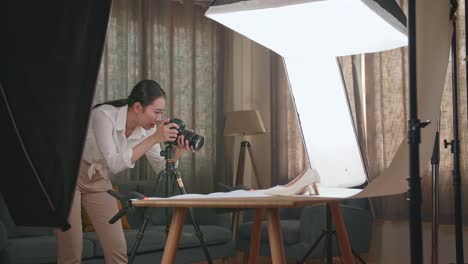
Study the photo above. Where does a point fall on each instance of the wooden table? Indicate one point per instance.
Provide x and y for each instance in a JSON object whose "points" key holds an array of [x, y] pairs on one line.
{"points": [[270, 204]]}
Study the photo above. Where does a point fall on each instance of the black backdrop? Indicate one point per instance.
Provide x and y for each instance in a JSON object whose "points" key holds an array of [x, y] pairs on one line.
{"points": [[50, 53]]}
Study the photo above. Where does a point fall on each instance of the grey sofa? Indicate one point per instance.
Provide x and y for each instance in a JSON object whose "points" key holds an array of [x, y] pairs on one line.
{"points": [[30, 245], [302, 226]]}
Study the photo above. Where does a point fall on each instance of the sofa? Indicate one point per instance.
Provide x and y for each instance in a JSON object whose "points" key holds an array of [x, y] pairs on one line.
{"points": [[30, 245], [302, 226]]}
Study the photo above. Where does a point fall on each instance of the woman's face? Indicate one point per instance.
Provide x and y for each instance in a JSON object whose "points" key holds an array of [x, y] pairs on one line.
{"points": [[152, 114]]}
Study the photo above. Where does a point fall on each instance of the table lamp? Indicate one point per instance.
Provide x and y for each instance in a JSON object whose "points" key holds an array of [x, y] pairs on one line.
{"points": [[244, 123]]}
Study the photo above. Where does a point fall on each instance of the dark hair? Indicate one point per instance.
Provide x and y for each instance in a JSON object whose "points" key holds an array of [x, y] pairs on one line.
{"points": [[144, 92]]}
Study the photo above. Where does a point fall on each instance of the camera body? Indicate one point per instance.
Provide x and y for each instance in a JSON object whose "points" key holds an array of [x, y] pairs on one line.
{"points": [[195, 141]]}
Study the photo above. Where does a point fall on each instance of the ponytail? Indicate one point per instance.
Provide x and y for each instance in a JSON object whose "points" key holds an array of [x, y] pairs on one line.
{"points": [[144, 92]]}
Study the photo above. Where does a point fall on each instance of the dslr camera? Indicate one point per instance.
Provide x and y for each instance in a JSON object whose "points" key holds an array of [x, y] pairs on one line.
{"points": [[195, 141]]}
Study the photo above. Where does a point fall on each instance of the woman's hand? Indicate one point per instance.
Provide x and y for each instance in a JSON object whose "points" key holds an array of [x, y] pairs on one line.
{"points": [[183, 144], [166, 132]]}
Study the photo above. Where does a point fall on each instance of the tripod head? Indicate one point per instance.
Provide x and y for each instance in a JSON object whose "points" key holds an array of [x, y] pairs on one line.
{"points": [[168, 152]]}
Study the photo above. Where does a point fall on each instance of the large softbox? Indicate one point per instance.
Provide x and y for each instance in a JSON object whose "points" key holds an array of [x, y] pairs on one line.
{"points": [[310, 35], [49, 61]]}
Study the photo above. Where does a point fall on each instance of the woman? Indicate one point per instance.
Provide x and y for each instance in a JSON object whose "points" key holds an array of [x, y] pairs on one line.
{"points": [[119, 133]]}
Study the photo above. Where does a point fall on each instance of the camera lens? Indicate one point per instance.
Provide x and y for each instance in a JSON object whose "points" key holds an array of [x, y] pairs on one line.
{"points": [[195, 141]]}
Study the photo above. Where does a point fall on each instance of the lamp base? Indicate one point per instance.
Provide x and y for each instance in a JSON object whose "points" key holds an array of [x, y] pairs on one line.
{"points": [[246, 147]]}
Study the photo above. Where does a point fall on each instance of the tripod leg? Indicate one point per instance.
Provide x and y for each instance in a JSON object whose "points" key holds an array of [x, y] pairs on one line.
{"points": [[324, 250], [235, 223], [254, 167], [316, 242], [194, 222], [138, 240], [200, 236], [169, 193], [330, 232], [241, 164], [356, 255], [239, 180]]}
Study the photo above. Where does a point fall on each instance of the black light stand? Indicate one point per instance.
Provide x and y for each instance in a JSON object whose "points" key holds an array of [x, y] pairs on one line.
{"points": [[166, 178], [455, 143], [435, 161], [414, 139], [328, 234]]}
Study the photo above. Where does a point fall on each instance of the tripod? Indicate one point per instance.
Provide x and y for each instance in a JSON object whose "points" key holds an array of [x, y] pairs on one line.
{"points": [[328, 234], [166, 178]]}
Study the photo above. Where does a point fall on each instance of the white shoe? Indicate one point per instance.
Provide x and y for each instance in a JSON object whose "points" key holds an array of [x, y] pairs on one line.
{"points": [[302, 184]]}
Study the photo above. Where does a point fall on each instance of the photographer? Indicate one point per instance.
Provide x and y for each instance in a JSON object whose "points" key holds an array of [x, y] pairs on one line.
{"points": [[119, 133]]}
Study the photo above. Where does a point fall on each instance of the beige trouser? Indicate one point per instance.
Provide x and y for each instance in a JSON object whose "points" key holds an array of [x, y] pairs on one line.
{"points": [[101, 207]]}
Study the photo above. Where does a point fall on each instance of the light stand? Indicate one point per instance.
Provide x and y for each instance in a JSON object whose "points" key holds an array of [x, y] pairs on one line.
{"points": [[455, 143], [166, 178], [414, 139], [435, 160], [328, 234]]}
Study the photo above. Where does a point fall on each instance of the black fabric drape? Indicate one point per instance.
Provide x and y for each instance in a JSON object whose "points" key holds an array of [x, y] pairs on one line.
{"points": [[50, 53]]}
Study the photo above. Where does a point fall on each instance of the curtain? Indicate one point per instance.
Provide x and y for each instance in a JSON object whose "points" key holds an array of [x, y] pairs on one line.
{"points": [[246, 87], [383, 115], [377, 88], [208, 70], [255, 78], [173, 43]]}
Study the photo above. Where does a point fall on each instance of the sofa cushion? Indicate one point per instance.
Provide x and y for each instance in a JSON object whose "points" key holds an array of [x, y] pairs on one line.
{"points": [[212, 235], [31, 231], [152, 240], [40, 249], [290, 229]]}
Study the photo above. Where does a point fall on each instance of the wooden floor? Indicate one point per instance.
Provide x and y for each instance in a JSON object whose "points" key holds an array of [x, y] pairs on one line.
{"points": [[239, 258], [242, 258], [389, 245]]}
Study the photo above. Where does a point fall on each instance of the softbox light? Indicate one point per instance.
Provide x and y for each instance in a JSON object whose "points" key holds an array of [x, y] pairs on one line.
{"points": [[310, 35]]}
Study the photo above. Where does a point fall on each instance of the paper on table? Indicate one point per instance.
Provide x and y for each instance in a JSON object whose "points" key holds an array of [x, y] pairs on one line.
{"points": [[325, 192]]}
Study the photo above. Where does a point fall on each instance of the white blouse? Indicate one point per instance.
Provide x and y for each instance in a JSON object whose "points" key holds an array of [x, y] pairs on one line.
{"points": [[107, 148]]}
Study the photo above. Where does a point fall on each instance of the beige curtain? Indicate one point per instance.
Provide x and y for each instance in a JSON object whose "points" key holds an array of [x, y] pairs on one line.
{"points": [[255, 79], [377, 90], [208, 70], [383, 117], [173, 43]]}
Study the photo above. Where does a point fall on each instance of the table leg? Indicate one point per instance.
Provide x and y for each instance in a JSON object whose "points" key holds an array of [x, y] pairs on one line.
{"points": [[341, 233], [275, 236], [172, 242], [256, 235]]}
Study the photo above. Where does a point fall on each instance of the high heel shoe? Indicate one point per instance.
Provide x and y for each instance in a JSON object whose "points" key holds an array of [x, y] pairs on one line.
{"points": [[302, 184]]}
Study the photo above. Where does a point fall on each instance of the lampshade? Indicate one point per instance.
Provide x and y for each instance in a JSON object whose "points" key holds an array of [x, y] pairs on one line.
{"points": [[246, 122]]}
